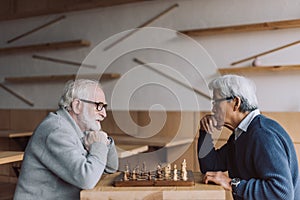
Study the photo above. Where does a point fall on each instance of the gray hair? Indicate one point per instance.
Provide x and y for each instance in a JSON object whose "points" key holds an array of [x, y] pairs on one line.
{"points": [[76, 89], [237, 86]]}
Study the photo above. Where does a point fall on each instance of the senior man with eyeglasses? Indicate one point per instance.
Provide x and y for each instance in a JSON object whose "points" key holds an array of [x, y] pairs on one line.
{"points": [[68, 151], [259, 155]]}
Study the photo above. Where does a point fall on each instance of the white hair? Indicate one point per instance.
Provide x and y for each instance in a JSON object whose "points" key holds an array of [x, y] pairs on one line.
{"points": [[237, 86], [76, 89]]}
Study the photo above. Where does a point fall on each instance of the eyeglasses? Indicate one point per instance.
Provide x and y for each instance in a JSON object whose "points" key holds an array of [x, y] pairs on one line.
{"points": [[216, 101], [99, 105]]}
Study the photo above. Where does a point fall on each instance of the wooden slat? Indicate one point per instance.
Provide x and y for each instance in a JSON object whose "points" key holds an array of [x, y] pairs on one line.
{"points": [[15, 134], [130, 150], [141, 26], [245, 28], [59, 78], [172, 78], [36, 29], [10, 156], [278, 68], [266, 52], [45, 46], [16, 95], [21, 9], [68, 62]]}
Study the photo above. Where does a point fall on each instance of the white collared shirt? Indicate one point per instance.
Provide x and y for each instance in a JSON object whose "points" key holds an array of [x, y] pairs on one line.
{"points": [[243, 126]]}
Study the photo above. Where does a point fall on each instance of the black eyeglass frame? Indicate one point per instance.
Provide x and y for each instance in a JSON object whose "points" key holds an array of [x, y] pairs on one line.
{"points": [[99, 105], [216, 101]]}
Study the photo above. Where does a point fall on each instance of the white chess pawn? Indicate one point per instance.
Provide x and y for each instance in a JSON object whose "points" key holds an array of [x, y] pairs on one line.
{"points": [[175, 178], [184, 175], [134, 175], [125, 178]]}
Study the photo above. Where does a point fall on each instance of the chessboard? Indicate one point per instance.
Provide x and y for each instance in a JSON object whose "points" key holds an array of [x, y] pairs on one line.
{"points": [[145, 181]]}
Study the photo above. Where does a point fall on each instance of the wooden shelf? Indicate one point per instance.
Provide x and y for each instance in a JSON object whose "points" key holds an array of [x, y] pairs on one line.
{"points": [[59, 78], [278, 68], [45, 46], [10, 156], [245, 28], [17, 9]]}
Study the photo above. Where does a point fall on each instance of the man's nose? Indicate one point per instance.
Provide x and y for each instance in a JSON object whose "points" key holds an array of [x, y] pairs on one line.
{"points": [[103, 113]]}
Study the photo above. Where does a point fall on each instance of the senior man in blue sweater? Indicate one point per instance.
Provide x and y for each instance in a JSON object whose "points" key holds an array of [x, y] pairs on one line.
{"points": [[68, 151], [259, 156]]}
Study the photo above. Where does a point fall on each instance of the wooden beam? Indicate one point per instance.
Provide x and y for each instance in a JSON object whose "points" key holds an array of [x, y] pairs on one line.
{"points": [[266, 52], [36, 29], [15, 9], [45, 46], [10, 156], [79, 64], [245, 28], [59, 78], [16, 95], [251, 69], [15, 134], [172, 78], [141, 26]]}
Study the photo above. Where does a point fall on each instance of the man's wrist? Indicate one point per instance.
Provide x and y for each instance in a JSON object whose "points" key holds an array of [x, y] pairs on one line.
{"points": [[234, 185]]}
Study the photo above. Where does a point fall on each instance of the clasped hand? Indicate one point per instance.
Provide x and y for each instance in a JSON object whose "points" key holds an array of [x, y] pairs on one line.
{"points": [[95, 136], [209, 124]]}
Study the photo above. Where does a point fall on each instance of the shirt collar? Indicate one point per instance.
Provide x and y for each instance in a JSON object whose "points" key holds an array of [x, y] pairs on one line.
{"points": [[243, 126]]}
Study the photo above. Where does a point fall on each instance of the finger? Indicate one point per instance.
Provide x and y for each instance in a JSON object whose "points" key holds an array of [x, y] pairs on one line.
{"points": [[204, 123], [210, 179]]}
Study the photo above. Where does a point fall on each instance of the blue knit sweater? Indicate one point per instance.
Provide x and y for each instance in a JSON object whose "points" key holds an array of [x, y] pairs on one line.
{"points": [[263, 158]]}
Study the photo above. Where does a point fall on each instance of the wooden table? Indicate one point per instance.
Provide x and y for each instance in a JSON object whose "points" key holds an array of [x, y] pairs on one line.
{"points": [[10, 156], [105, 190]]}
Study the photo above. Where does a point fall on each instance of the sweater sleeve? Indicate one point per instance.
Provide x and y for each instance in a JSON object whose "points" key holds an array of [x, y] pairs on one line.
{"points": [[211, 159], [274, 179], [112, 158], [64, 157]]}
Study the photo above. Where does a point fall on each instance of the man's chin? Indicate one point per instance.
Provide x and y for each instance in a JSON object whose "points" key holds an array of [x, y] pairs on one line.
{"points": [[96, 127]]}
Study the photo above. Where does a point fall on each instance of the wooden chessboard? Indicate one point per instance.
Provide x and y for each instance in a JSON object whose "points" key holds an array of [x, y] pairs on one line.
{"points": [[119, 182]]}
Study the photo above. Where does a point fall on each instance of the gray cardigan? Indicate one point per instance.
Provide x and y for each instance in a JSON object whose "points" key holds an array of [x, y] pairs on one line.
{"points": [[57, 166]]}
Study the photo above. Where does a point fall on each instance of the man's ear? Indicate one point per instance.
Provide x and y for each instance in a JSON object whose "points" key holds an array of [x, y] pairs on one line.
{"points": [[237, 103], [76, 106]]}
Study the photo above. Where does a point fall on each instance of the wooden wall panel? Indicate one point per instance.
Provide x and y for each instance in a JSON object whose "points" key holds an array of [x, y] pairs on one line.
{"points": [[120, 122], [182, 124], [289, 120], [26, 119], [25, 6], [4, 119]]}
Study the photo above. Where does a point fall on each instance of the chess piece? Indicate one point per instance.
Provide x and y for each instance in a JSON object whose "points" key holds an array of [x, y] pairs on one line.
{"points": [[125, 177], [149, 176], [183, 165], [183, 170], [126, 171], [168, 171], [175, 178], [159, 172], [134, 175]]}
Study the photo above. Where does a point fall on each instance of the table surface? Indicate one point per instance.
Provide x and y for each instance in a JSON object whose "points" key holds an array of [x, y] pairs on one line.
{"points": [[10, 156], [105, 190]]}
